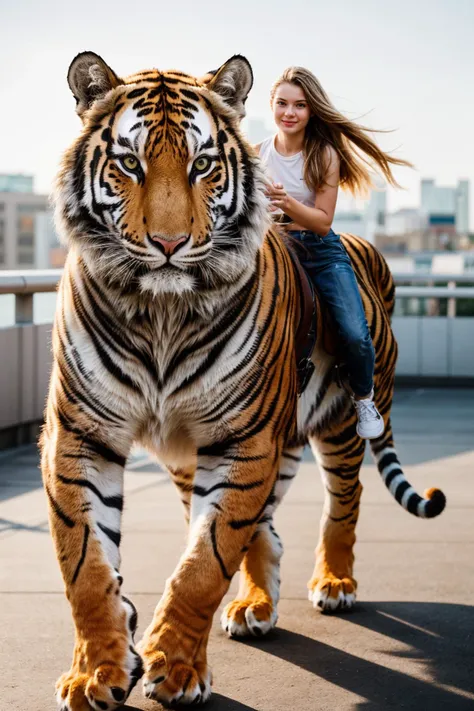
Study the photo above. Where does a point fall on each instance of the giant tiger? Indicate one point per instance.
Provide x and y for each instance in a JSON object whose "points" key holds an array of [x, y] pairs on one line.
{"points": [[175, 328]]}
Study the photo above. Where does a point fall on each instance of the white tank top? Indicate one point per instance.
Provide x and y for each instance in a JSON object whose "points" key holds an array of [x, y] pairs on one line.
{"points": [[287, 170]]}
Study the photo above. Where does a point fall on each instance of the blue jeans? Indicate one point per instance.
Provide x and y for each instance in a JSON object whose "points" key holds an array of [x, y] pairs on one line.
{"points": [[328, 264]]}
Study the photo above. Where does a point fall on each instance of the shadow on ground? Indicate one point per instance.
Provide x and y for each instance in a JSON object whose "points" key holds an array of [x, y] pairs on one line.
{"points": [[20, 471], [217, 703], [438, 636]]}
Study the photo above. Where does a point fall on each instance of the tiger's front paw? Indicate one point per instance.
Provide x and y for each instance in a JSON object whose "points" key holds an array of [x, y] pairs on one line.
{"points": [[105, 689], [174, 655], [332, 594], [177, 683], [104, 670], [246, 618]]}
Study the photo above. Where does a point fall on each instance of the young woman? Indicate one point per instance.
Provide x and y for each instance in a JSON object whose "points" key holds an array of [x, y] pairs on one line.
{"points": [[315, 150]]}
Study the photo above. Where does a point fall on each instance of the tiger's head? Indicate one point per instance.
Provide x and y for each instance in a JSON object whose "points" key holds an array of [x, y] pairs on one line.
{"points": [[161, 192]]}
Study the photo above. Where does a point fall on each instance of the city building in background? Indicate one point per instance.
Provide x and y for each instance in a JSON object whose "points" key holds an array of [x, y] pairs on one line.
{"points": [[27, 236], [49, 254], [16, 183], [440, 223], [446, 207], [377, 205]]}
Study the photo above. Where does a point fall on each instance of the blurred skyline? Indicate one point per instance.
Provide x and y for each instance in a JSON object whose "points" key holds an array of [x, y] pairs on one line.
{"points": [[396, 66]]}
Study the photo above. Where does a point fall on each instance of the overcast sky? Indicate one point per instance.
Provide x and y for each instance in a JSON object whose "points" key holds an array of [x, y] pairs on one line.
{"points": [[406, 65]]}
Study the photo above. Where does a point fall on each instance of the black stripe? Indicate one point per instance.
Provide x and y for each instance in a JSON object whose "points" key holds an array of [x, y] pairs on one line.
{"points": [[83, 555], [105, 452], [75, 396], [347, 495], [354, 448], [341, 518], [392, 476], [344, 472], [389, 458], [343, 437], [378, 446], [136, 92], [97, 207], [201, 491], [242, 523], [285, 455], [250, 458], [115, 536], [232, 319], [114, 502], [216, 552], [102, 353], [57, 509], [190, 94], [412, 505], [74, 352], [400, 490], [109, 325]]}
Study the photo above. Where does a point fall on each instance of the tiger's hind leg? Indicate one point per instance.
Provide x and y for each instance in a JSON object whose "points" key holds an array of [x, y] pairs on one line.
{"points": [[83, 479], [183, 478], [254, 611], [332, 585]]}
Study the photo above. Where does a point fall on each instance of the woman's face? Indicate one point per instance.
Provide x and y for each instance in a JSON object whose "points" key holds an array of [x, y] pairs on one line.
{"points": [[291, 110]]}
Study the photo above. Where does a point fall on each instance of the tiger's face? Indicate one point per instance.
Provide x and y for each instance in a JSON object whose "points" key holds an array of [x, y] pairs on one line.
{"points": [[161, 191]]}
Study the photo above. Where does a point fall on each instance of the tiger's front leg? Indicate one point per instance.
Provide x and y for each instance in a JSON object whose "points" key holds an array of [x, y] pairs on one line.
{"points": [[230, 494], [83, 479]]}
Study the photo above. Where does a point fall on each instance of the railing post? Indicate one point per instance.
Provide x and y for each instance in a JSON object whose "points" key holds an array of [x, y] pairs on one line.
{"points": [[23, 309], [431, 305], [452, 301]]}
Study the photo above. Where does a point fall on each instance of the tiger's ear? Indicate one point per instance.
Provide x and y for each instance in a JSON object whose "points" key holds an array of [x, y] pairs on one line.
{"points": [[89, 79], [232, 81]]}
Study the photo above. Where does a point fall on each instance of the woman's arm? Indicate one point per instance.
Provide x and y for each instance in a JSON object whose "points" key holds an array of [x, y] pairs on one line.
{"points": [[320, 217]]}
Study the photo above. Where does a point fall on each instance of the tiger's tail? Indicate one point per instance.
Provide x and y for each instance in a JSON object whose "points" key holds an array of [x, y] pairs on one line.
{"points": [[385, 455]]}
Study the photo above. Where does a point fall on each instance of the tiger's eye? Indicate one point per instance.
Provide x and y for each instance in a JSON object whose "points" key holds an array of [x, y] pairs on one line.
{"points": [[130, 162], [201, 164]]}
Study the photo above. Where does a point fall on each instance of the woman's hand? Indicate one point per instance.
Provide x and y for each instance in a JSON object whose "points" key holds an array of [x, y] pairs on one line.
{"points": [[278, 197]]}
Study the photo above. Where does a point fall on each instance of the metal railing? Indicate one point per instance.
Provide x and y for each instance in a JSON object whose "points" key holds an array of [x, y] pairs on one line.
{"points": [[423, 278], [24, 284], [452, 291], [435, 292]]}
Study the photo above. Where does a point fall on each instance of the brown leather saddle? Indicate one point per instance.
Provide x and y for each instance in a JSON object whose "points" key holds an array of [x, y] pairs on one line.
{"points": [[307, 331]]}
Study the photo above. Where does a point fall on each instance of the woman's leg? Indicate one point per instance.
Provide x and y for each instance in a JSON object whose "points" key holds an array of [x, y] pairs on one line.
{"points": [[333, 276], [337, 285], [330, 268]]}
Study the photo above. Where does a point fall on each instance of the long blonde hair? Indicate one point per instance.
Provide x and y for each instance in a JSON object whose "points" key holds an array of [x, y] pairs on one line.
{"points": [[358, 153]]}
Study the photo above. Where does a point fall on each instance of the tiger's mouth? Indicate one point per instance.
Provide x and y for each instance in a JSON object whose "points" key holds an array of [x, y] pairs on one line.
{"points": [[167, 268]]}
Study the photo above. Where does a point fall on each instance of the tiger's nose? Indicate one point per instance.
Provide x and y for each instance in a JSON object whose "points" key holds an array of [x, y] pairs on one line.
{"points": [[166, 245]]}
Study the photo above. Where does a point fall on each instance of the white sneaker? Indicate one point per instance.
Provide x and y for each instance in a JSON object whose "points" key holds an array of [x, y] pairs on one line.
{"points": [[370, 423]]}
